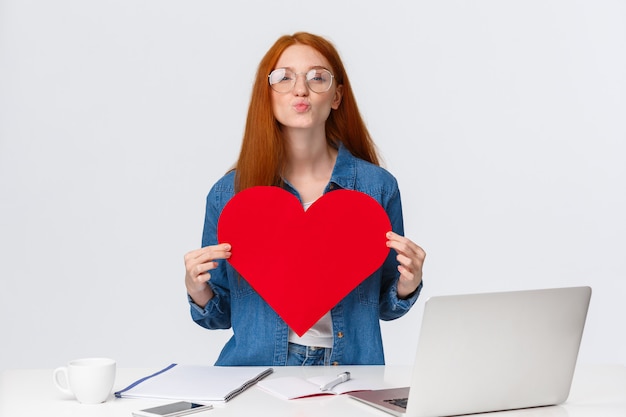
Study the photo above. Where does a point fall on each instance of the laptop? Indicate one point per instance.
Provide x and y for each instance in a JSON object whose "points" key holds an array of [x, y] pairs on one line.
{"points": [[491, 352]]}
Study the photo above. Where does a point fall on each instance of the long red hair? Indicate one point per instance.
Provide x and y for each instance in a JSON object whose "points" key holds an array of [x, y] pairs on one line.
{"points": [[262, 156]]}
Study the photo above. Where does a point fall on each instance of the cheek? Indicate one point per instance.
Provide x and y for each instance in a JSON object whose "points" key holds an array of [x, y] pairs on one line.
{"points": [[279, 110], [276, 104], [332, 100]]}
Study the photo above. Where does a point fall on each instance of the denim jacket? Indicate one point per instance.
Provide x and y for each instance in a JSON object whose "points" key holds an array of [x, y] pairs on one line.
{"points": [[260, 336]]}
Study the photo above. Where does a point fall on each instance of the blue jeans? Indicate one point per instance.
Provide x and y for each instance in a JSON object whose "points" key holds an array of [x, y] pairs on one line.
{"points": [[299, 355]]}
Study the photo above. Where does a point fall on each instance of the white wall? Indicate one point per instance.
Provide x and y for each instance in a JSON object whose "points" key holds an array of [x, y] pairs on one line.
{"points": [[502, 120]]}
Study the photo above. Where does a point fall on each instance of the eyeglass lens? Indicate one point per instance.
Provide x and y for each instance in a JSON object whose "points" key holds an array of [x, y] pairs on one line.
{"points": [[318, 80]]}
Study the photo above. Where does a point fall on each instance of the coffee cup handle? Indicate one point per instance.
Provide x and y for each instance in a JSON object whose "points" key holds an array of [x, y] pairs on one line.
{"points": [[62, 384]]}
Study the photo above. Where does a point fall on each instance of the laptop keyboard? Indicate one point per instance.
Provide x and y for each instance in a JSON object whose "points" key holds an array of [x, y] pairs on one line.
{"points": [[398, 402]]}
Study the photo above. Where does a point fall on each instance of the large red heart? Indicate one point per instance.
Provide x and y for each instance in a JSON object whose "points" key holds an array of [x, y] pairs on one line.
{"points": [[302, 263]]}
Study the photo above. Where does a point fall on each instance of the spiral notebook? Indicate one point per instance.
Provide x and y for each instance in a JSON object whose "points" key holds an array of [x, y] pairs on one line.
{"points": [[195, 383]]}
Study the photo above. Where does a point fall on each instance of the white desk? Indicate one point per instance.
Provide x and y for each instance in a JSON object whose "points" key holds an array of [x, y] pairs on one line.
{"points": [[597, 391]]}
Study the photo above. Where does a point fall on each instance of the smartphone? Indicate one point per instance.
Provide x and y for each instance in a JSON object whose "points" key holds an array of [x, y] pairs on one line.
{"points": [[181, 408]]}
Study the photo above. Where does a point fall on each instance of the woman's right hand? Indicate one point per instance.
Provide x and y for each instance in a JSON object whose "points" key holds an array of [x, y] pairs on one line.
{"points": [[198, 266]]}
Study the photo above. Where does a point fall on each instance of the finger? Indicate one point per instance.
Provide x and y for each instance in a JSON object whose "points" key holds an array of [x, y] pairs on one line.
{"points": [[209, 253], [203, 268], [404, 246], [202, 278], [407, 281], [216, 252], [406, 276], [412, 265], [394, 237], [198, 272]]}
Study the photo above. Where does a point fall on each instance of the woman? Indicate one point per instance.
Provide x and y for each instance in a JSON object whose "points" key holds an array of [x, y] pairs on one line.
{"points": [[303, 133]]}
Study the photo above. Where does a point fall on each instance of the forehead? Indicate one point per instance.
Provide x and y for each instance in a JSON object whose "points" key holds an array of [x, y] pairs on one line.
{"points": [[301, 57]]}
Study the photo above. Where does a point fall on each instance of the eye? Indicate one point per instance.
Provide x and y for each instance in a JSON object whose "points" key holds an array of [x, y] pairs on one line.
{"points": [[280, 75], [317, 76]]}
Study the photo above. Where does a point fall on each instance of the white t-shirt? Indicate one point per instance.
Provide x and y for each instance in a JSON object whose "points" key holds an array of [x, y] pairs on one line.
{"points": [[321, 334]]}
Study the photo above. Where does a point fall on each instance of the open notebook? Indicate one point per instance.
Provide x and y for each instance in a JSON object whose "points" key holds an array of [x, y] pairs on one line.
{"points": [[195, 383], [490, 352]]}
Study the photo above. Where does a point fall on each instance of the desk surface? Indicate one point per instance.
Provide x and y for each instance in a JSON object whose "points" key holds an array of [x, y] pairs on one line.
{"points": [[596, 391]]}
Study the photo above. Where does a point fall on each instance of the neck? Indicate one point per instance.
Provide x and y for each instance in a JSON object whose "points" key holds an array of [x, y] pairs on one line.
{"points": [[307, 150], [314, 160], [310, 163]]}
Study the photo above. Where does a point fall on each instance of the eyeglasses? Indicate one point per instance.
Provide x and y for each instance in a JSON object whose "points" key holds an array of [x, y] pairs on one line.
{"points": [[318, 80]]}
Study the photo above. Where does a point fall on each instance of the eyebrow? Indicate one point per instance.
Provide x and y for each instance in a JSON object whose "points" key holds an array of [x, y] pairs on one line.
{"points": [[310, 68]]}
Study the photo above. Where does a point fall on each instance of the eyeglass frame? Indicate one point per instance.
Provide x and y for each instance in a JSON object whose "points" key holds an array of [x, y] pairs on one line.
{"points": [[306, 80]]}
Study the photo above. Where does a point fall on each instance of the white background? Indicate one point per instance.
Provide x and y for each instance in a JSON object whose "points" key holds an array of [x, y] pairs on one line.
{"points": [[504, 122]]}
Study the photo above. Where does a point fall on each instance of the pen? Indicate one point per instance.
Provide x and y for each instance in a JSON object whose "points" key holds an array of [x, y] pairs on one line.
{"points": [[342, 377]]}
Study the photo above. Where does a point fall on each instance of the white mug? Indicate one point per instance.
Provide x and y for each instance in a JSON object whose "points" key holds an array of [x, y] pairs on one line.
{"points": [[90, 380]]}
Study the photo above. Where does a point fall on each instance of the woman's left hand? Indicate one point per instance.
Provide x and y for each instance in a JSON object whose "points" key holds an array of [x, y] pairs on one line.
{"points": [[411, 258]]}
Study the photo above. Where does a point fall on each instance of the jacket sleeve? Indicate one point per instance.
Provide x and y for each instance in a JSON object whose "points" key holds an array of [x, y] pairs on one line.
{"points": [[217, 313], [392, 307]]}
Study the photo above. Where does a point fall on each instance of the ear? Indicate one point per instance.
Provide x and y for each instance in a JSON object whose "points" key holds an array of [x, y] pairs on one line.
{"points": [[337, 97]]}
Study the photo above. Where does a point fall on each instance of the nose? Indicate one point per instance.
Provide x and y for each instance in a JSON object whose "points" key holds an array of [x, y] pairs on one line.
{"points": [[300, 87]]}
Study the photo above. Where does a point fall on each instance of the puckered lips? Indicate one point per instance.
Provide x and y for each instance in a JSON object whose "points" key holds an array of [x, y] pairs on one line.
{"points": [[301, 106]]}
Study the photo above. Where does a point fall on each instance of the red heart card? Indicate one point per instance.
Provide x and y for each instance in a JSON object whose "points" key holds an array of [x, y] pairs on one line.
{"points": [[302, 263]]}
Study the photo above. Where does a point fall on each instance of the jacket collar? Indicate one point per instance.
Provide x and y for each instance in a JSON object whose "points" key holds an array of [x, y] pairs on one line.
{"points": [[343, 175], [344, 172]]}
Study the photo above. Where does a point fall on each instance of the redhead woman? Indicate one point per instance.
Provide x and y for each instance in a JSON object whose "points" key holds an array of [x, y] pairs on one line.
{"points": [[303, 133]]}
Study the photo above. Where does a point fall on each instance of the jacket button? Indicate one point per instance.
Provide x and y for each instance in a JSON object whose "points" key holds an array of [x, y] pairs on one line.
{"points": [[340, 335], [335, 363]]}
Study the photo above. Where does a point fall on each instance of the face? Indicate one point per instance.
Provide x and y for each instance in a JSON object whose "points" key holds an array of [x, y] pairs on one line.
{"points": [[302, 108]]}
